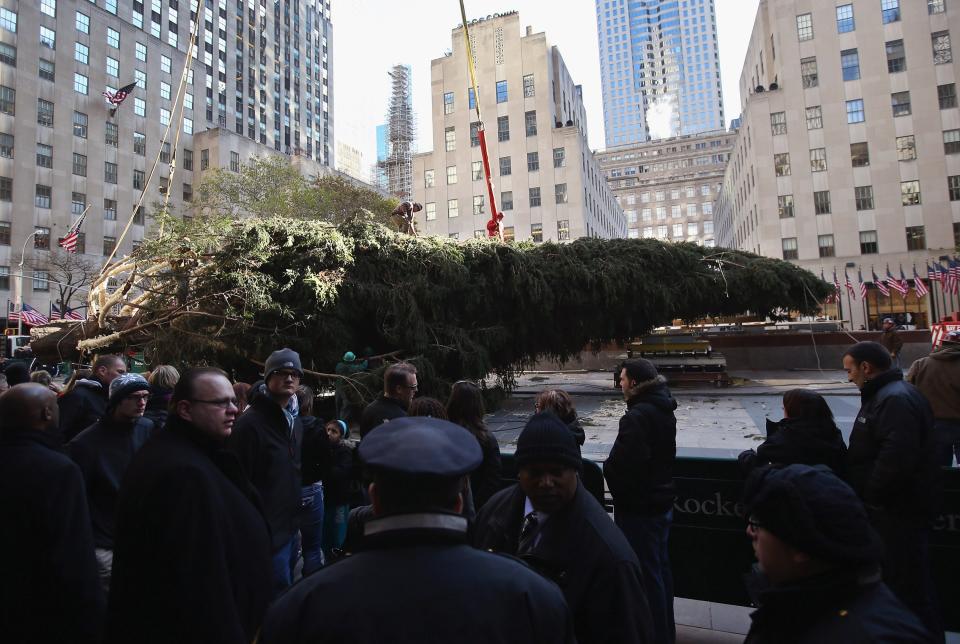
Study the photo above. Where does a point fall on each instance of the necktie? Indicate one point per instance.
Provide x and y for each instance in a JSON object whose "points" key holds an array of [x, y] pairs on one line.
{"points": [[528, 533]]}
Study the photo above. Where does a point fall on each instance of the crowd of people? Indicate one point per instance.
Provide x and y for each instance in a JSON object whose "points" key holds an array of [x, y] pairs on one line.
{"points": [[188, 508]]}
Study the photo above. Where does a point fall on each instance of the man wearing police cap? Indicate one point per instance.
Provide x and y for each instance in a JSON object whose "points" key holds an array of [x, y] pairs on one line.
{"points": [[416, 579]]}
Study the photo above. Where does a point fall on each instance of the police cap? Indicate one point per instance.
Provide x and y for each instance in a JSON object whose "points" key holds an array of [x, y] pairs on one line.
{"points": [[421, 446]]}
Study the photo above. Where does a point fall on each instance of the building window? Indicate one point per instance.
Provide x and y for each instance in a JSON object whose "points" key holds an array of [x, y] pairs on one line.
{"points": [[530, 122], [234, 162], [916, 238], [825, 244], [508, 233], [863, 196], [81, 53], [476, 170], [188, 159], [506, 200], [478, 204], [109, 172], [109, 245], [936, 6], [953, 187], [48, 38], [453, 208], [471, 99], [563, 230], [534, 197], [78, 203], [6, 146], [850, 64], [451, 175], [428, 178], [901, 103], [139, 107], [80, 83], [164, 116], [164, 91], [808, 70], [814, 118], [109, 209], [805, 27], [41, 280], [528, 86], [44, 112], [947, 96], [821, 202], [429, 208], [80, 124], [165, 153], [44, 156], [113, 67], [6, 189], [113, 38], [138, 180], [49, 7], [785, 206], [82, 23], [8, 20], [859, 154], [890, 10], [139, 144], [560, 193], [503, 128], [536, 232], [910, 193], [502, 91], [781, 164], [845, 20], [951, 141], [42, 196], [896, 58], [505, 167], [140, 51], [559, 157], [165, 64], [533, 161], [448, 103], [204, 159], [475, 134], [41, 238], [47, 70], [868, 242], [778, 123], [906, 148], [818, 160], [789, 245], [8, 54], [450, 139], [855, 111], [5, 233], [942, 53], [80, 164]]}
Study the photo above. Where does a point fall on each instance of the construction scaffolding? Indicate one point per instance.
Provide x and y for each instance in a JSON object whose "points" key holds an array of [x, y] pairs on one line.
{"points": [[397, 168]]}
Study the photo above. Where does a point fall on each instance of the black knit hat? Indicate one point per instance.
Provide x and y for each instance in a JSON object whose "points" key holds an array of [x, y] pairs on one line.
{"points": [[811, 509], [282, 359], [547, 439], [640, 369]]}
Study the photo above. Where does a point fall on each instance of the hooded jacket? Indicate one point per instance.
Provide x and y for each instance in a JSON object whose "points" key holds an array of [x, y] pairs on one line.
{"points": [[82, 407], [157, 405], [938, 378], [639, 469], [799, 440]]}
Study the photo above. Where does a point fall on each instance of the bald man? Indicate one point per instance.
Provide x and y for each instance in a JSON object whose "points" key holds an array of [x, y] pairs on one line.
{"points": [[49, 590]]}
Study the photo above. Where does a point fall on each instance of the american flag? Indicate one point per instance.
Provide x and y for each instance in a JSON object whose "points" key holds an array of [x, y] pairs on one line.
{"points": [[862, 284], [952, 282], [918, 286], [879, 284], [115, 98], [69, 241], [932, 273], [70, 314], [831, 295], [894, 283], [836, 285], [848, 284], [30, 315], [903, 280]]}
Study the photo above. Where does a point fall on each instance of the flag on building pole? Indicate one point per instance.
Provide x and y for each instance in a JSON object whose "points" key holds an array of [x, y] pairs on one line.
{"points": [[69, 241], [918, 286], [836, 284], [830, 296], [848, 284], [953, 272], [879, 284], [894, 283], [932, 273], [68, 314], [30, 316], [862, 284], [903, 280], [116, 98]]}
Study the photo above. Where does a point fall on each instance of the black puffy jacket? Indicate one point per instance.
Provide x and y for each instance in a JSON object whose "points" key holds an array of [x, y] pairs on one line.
{"points": [[799, 441]]}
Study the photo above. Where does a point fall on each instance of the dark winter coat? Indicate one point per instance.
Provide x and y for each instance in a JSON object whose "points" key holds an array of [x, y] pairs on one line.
{"points": [[582, 550], [892, 459], [192, 561], [381, 409], [799, 441], [269, 453], [938, 378], [82, 407], [316, 453], [338, 482], [577, 430], [639, 469], [103, 452], [430, 587], [485, 481], [157, 405], [835, 607], [49, 588]]}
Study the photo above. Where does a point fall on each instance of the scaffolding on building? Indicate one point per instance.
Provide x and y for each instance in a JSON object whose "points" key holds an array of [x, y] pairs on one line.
{"points": [[397, 168]]}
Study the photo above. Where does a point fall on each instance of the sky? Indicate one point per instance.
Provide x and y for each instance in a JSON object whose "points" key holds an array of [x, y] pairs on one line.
{"points": [[371, 36]]}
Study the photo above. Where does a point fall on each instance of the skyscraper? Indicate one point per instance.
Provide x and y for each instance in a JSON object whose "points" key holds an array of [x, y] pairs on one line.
{"points": [[660, 69]]}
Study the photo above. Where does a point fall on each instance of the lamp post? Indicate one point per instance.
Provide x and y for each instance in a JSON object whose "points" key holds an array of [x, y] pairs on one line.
{"points": [[19, 298]]}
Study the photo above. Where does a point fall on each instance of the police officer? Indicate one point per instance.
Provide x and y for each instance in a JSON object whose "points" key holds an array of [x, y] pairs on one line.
{"points": [[416, 579]]}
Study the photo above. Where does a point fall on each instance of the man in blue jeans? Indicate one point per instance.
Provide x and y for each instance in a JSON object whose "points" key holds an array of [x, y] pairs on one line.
{"points": [[639, 472]]}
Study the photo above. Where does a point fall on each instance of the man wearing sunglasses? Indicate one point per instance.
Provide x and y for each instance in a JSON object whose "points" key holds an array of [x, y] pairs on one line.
{"points": [[103, 452]]}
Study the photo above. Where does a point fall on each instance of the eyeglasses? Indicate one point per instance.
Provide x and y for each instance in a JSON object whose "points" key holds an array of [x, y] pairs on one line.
{"points": [[753, 523], [223, 403], [287, 374]]}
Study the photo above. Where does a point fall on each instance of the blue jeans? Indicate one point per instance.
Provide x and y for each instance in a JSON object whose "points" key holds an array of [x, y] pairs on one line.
{"points": [[311, 527], [284, 563], [648, 536], [334, 528]]}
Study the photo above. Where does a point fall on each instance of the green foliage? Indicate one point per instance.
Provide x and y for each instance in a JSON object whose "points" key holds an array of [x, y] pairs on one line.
{"points": [[466, 309]]}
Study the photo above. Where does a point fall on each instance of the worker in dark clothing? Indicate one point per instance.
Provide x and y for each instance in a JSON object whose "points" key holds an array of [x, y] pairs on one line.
{"points": [[892, 465], [818, 576], [399, 388], [192, 562], [553, 523], [430, 585], [891, 341], [268, 441], [103, 452], [86, 403], [49, 587]]}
